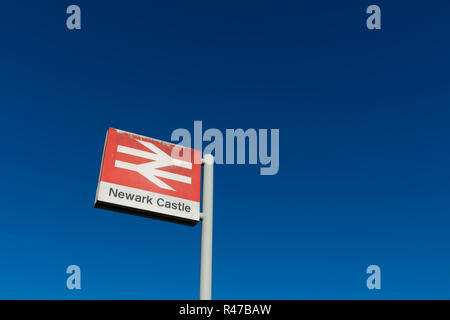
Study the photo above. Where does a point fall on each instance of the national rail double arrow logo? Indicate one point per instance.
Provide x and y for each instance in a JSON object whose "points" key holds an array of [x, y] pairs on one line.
{"points": [[150, 170]]}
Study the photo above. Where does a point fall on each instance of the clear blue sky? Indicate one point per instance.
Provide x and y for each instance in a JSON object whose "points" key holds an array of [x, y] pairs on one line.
{"points": [[364, 146]]}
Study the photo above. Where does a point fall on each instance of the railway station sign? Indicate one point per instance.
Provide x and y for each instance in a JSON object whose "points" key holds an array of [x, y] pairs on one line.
{"points": [[147, 177]]}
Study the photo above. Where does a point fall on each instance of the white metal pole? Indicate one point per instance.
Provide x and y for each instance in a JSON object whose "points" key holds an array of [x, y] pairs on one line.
{"points": [[207, 228]]}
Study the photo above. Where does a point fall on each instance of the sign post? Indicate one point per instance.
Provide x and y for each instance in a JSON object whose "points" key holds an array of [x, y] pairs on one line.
{"points": [[207, 228], [156, 179]]}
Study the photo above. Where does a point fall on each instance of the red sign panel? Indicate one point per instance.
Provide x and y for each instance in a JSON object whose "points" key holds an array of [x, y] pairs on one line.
{"points": [[149, 177]]}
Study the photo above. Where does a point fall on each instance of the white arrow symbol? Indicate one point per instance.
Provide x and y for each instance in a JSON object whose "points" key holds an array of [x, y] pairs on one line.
{"points": [[150, 170]]}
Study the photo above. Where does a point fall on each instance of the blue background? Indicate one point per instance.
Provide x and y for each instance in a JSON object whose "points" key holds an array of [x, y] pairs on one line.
{"points": [[364, 146]]}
